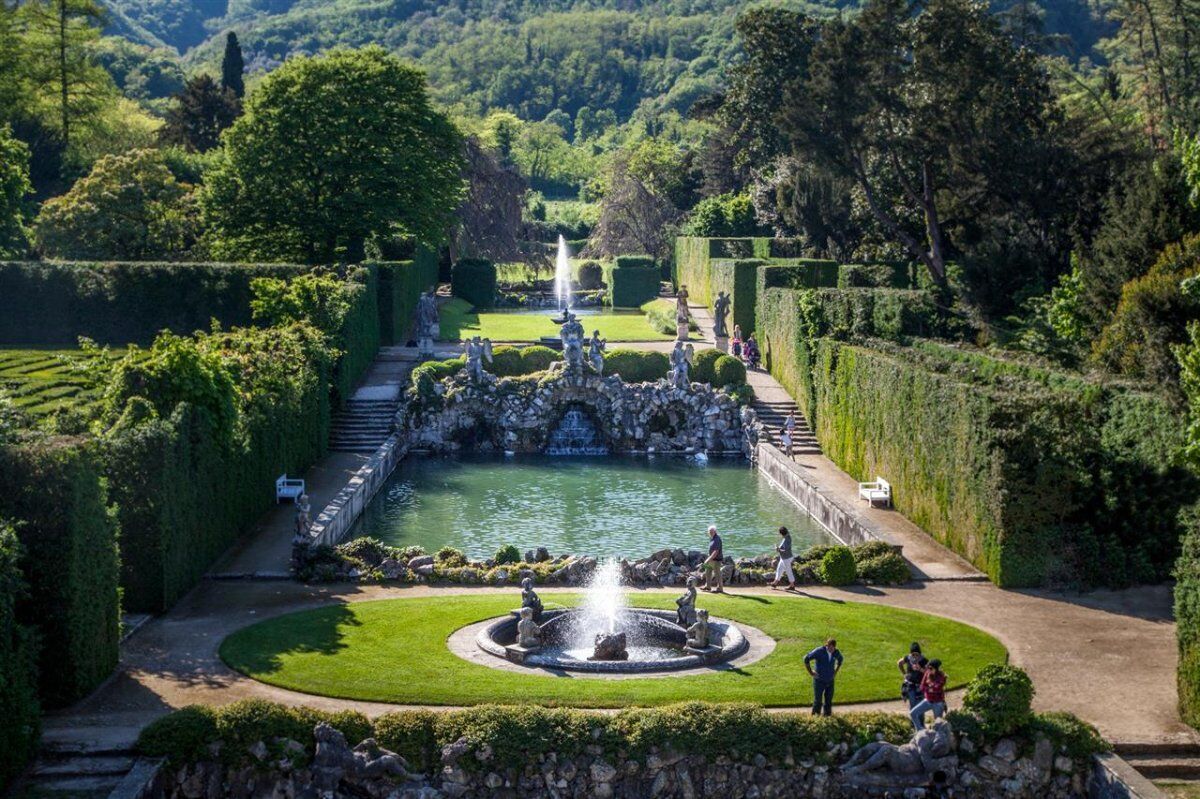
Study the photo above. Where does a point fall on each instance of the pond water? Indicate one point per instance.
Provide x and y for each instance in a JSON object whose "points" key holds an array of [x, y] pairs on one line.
{"points": [[604, 506]]}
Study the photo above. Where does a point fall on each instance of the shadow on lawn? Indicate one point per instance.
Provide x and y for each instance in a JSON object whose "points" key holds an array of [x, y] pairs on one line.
{"points": [[319, 632]]}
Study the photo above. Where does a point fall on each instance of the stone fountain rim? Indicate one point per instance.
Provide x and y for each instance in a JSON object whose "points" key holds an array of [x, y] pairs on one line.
{"points": [[734, 644]]}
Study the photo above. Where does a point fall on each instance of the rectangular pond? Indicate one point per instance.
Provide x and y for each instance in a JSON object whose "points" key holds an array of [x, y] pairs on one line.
{"points": [[613, 506]]}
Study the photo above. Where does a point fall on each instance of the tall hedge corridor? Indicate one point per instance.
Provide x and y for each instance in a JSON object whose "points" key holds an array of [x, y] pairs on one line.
{"points": [[193, 431]]}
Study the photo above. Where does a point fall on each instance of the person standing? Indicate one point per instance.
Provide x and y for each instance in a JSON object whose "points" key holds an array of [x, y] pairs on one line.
{"points": [[912, 666], [713, 579], [735, 344], [784, 550], [790, 423], [785, 441], [933, 689], [823, 664]]}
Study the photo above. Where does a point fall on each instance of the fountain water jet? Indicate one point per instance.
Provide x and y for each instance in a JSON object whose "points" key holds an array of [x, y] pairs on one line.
{"points": [[562, 276]]}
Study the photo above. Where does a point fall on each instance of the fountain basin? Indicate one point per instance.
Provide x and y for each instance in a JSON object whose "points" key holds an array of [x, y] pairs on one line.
{"points": [[655, 643]]}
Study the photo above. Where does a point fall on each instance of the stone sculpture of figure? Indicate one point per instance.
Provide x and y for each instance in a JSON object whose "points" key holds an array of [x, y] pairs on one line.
{"points": [[477, 351], [697, 634], [303, 518], [681, 305], [610, 646], [427, 324], [596, 347], [720, 313], [571, 334], [680, 364], [685, 613], [529, 634], [530, 599], [925, 753]]}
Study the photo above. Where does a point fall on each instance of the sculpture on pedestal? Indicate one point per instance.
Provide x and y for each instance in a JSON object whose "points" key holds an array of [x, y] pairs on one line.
{"points": [[529, 634], [596, 347], [720, 314], [477, 350], [426, 324], [685, 613], [530, 599], [681, 363], [572, 335], [697, 634]]}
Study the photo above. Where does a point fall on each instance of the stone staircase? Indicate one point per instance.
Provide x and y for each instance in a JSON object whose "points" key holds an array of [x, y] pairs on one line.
{"points": [[87, 763], [362, 425], [773, 412], [1175, 762]]}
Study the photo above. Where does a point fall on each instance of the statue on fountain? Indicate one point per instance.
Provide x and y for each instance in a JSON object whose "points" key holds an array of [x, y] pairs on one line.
{"points": [[572, 335], [477, 350], [697, 634], [681, 364], [720, 313], [685, 613], [530, 600], [929, 751], [596, 347], [682, 315], [529, 634], [427, 324], [610, 646]]}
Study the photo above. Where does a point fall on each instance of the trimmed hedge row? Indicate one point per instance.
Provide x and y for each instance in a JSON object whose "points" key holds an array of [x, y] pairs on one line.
{"points": [[633, 280], [474, 280], [1187, 622], [891, 314], [400, 286], [739, 280], [359, 337], [636, 366], [54, 488], [123, 303], [20, 722]]}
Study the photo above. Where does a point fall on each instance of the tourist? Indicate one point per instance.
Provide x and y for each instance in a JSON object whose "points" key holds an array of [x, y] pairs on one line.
{"points": [[735, 344], [933, 691], [828, 662], [784, 550], [912, 666], [785, 441], [751, 354], [790, 423], [713, 579]]}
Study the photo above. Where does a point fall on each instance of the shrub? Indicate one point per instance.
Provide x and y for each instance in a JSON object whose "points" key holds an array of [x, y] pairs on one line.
{"points": [[370, 551], [743, 393], [1187, 622], [474, 280], [1001, 696], [632, 281], [888, 569], [506, 362], [412, 735], [728, 371], [437, 370], [19, 713], [537, 358], [449, 557], [703, 366], [182, 737], [412, 551], [837, 566], [507, 554], [591, 276], [1069, 734], [637, 366]]}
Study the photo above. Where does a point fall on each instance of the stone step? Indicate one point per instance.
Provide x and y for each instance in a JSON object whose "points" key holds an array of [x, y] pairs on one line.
{"points": [[82, 766], [1166, 766], [87, 740], [76, 787]]}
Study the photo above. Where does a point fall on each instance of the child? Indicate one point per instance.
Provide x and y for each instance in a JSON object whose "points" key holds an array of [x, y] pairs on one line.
{"points": [[785, 440], [736, 343]]}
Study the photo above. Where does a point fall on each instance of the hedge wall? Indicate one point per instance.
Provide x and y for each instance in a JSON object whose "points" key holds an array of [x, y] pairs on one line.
{"points": [[123, 303], [474, 279], [400, 286], [738, 279], [360, 334], [1187, 622], [54, 488], [632, 282], [692, 265], [20, 721], [863, 313], [184, 493]]}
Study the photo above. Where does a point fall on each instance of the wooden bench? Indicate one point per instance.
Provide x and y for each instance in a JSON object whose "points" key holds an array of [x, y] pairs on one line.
{"points": [[288, 488], [878, 491]]}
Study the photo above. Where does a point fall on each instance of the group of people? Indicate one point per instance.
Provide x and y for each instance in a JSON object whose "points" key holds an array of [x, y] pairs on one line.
{"points": [[745, 349]]}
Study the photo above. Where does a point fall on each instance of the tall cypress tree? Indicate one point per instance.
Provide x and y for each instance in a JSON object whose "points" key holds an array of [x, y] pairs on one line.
{"points": [[232, 66]]}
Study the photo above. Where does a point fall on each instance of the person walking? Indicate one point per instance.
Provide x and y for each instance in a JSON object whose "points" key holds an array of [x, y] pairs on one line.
{"points": [[735, 343], [785, 441], [933, 691], [823, 664], [912, 666], [790, 423], [713, 579], [784, 567]]}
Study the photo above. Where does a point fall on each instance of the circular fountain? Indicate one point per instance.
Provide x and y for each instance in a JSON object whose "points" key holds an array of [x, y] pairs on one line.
{"points": [[605, 635]]}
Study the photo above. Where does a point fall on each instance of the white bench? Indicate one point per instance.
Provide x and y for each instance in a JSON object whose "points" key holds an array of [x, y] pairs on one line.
{"points": [[878, 491], [288, 488]]}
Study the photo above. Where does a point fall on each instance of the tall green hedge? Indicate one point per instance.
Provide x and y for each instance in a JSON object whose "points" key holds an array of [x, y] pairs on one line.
{"points": [[1187, 622], [20, 721], [738, 279], [474, 280], [122, 303], [692, 264], [54, 489], [360, 333], [632, 281], [863, 313], [400, 286]]}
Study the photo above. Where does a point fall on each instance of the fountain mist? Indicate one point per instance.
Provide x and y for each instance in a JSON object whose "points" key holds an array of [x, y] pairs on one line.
{"points": [[603, 604], [562, 276]]}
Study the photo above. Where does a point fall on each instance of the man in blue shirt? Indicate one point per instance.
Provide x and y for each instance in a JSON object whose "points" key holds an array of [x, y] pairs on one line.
{"points": [[827, 661]]}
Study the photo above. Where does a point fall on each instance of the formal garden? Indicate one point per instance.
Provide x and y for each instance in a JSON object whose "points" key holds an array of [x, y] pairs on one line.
{"points": [[365, 431]]}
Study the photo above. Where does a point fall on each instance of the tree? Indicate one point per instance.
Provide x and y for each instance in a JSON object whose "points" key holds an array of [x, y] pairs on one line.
{"points": [[59, 35], [490, 216], [199, 114], [330, 151], [233, 66], [634, 217], [129, 208], [14, 188]]}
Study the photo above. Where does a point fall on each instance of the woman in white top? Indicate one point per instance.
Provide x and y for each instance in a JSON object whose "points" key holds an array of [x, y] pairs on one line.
{"points": [[784, 550]]}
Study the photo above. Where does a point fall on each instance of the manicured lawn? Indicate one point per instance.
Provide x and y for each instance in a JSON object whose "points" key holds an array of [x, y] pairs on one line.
{"points": [[42, 381], [1178, 789], [394, 651], [458, 321]]}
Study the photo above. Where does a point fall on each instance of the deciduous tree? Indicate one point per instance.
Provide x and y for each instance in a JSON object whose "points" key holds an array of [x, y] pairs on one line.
{"points": [[199, 114]]}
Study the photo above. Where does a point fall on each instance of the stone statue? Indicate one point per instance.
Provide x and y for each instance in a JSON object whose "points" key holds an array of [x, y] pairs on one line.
{"points": [[530, 599], [477, 351], [681, 363], [929, 751], [529, 634], [610, 646], [426, 324], [596, 347], [303, 518], [572, 334], [697, 634], [720, 313], [681, 305], [685, 612]]}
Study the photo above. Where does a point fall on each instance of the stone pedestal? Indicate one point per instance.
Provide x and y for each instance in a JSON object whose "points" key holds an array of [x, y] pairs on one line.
{"points": [[517, 653], [708, 654], [722, 343], [681, 331]]}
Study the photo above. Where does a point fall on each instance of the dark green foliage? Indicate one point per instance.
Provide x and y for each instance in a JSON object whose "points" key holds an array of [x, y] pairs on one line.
{"points": [[637, 366], [232, 66], [506, 362], [449, 557], [728, 371], [1000, 696], [739, 280], [798, 273], [887, 569], [536, 358], [198, 114], [1069, 734], [632, 280], [412, 734], [20, 721], [400, 286], [703, 366], [591, 276], [723, 215], [891, 314], [123, 303], [1187, 622], [436, 370], [55, 488], [358, 338], [837, 566], [474, 280], [507, 554], [883, 275], [182, 737]]}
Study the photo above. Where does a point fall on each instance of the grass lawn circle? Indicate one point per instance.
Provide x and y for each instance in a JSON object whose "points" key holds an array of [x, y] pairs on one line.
{"points": [[394, 650]]}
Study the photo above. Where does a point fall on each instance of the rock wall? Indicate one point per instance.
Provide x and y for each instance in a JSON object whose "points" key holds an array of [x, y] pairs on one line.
{"points": [[517, 414]]}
